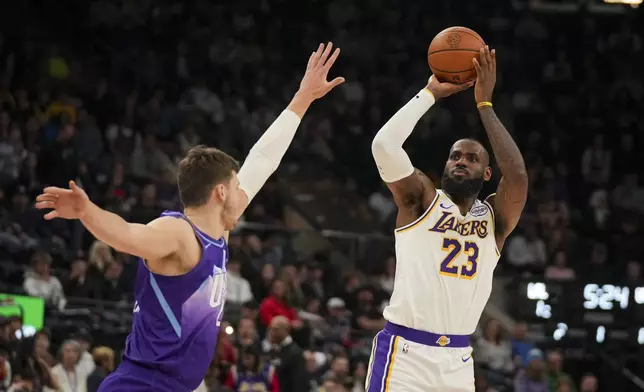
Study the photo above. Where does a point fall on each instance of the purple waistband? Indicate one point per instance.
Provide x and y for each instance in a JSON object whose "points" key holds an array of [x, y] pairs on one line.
{"points": [[428, 338]]}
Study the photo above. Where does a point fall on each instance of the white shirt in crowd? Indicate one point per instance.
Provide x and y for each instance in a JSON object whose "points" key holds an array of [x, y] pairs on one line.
{"points": [[51, 289], [238, 289], [86, 363], [70, 382], [496, 356]]}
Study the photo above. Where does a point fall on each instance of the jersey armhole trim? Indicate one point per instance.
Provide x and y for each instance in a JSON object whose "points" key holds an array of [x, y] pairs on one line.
{"points": [[420, 218], [489, 206]]}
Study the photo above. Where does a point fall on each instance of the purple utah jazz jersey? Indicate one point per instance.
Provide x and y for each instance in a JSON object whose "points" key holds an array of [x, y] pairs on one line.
{"points": [[176, 323]]}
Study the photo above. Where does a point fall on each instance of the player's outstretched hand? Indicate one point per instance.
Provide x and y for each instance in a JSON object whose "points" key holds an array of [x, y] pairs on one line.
{"points": [[443, 89], [314, 83], [485, 74], [66, 203]]}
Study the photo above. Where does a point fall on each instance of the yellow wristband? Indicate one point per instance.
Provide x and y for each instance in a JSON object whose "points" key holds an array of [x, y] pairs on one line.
{"points": [[483, 104], [430, 93]]}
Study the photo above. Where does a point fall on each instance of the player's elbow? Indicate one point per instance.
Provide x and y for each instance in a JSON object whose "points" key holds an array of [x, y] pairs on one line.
{"points": [[378, 146], [384, 153]]}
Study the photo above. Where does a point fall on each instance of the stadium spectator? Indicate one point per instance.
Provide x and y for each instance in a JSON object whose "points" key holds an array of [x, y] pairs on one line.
{"points": [[246, 334], [560, 270], [69, 375], [286, 356], [494, 353], [251, 375], [100, 256], [104, 360], [521, 344], [588, 383], [86, 361], [564, 385], [291, 277], [238, 289], [367, 317], [533, 378], [32, 369], [339, 369], [262, 285], [526, 251], [634, 274], [338, 322], [596, 162], [278, 303], [598, 219], [313, 284], [40, 283], [556, 375], [77, 284], [42, 345]]}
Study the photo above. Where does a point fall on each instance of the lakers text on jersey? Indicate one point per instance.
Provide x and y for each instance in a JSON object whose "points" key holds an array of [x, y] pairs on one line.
{"points": [[444, 268]]}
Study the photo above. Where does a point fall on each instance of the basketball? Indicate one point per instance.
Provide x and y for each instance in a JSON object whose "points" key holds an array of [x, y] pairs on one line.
{"points": [[451, 52]]}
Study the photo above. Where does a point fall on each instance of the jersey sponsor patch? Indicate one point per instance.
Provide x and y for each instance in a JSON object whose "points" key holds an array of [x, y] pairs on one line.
{"points": [[479, 210]]}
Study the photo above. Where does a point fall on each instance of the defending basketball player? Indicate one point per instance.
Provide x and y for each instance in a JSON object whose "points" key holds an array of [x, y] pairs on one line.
{"points": [[447, 244], [181, 280]]}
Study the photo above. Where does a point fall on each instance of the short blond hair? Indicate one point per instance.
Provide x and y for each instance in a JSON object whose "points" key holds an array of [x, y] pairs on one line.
{"points": [[102, 353]]}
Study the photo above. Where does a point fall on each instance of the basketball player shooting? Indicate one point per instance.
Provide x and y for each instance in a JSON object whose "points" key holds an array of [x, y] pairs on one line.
{"points": [[181, 280], [447, 244]]}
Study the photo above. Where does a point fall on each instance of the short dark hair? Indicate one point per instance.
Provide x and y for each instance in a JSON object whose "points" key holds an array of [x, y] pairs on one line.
{"points": [[200, 170]]}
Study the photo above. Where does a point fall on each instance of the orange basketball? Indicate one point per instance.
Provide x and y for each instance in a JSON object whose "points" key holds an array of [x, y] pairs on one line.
{"points": [[451, 52]]}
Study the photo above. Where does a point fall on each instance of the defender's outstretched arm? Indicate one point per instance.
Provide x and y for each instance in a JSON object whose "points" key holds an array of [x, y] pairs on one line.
{"points": [[154, 241], [265, 156]]}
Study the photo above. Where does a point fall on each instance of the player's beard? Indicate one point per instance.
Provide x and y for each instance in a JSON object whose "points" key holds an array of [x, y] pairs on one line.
{"points": [[465, 188]]}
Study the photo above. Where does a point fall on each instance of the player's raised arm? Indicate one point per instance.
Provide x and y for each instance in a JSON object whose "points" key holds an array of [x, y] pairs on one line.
{"points": [[153, 241], [265, 156], [410, 187], [512, 191]]}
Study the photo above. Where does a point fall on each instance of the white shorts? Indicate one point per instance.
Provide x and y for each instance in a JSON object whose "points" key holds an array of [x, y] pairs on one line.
{"points": [[408, 360]]}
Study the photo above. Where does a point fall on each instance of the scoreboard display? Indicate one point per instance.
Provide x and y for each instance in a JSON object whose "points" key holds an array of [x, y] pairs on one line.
{"points": [[585, 310]]}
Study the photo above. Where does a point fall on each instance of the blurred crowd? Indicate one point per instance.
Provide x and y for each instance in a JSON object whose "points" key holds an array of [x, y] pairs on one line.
{"points": [[114, 98]]}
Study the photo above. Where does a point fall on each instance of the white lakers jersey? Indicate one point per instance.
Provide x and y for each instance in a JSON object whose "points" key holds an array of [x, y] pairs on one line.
{"points": [[444, 268]]}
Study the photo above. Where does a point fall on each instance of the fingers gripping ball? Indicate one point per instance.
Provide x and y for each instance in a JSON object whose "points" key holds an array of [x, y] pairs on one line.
{"points": [[450, 54]]}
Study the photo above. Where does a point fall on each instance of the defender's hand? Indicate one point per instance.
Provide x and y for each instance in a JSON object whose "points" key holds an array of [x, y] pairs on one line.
{"points": [[485, 75], [442, 90], [66, 203], [314, 84]]}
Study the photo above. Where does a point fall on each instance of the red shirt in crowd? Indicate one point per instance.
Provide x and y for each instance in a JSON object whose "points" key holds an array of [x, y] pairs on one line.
{"points": [[271, 307]]}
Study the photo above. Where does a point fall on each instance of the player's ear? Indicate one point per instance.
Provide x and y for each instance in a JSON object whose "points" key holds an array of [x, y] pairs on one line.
{"points": [[220, 192], [487, 174]]}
